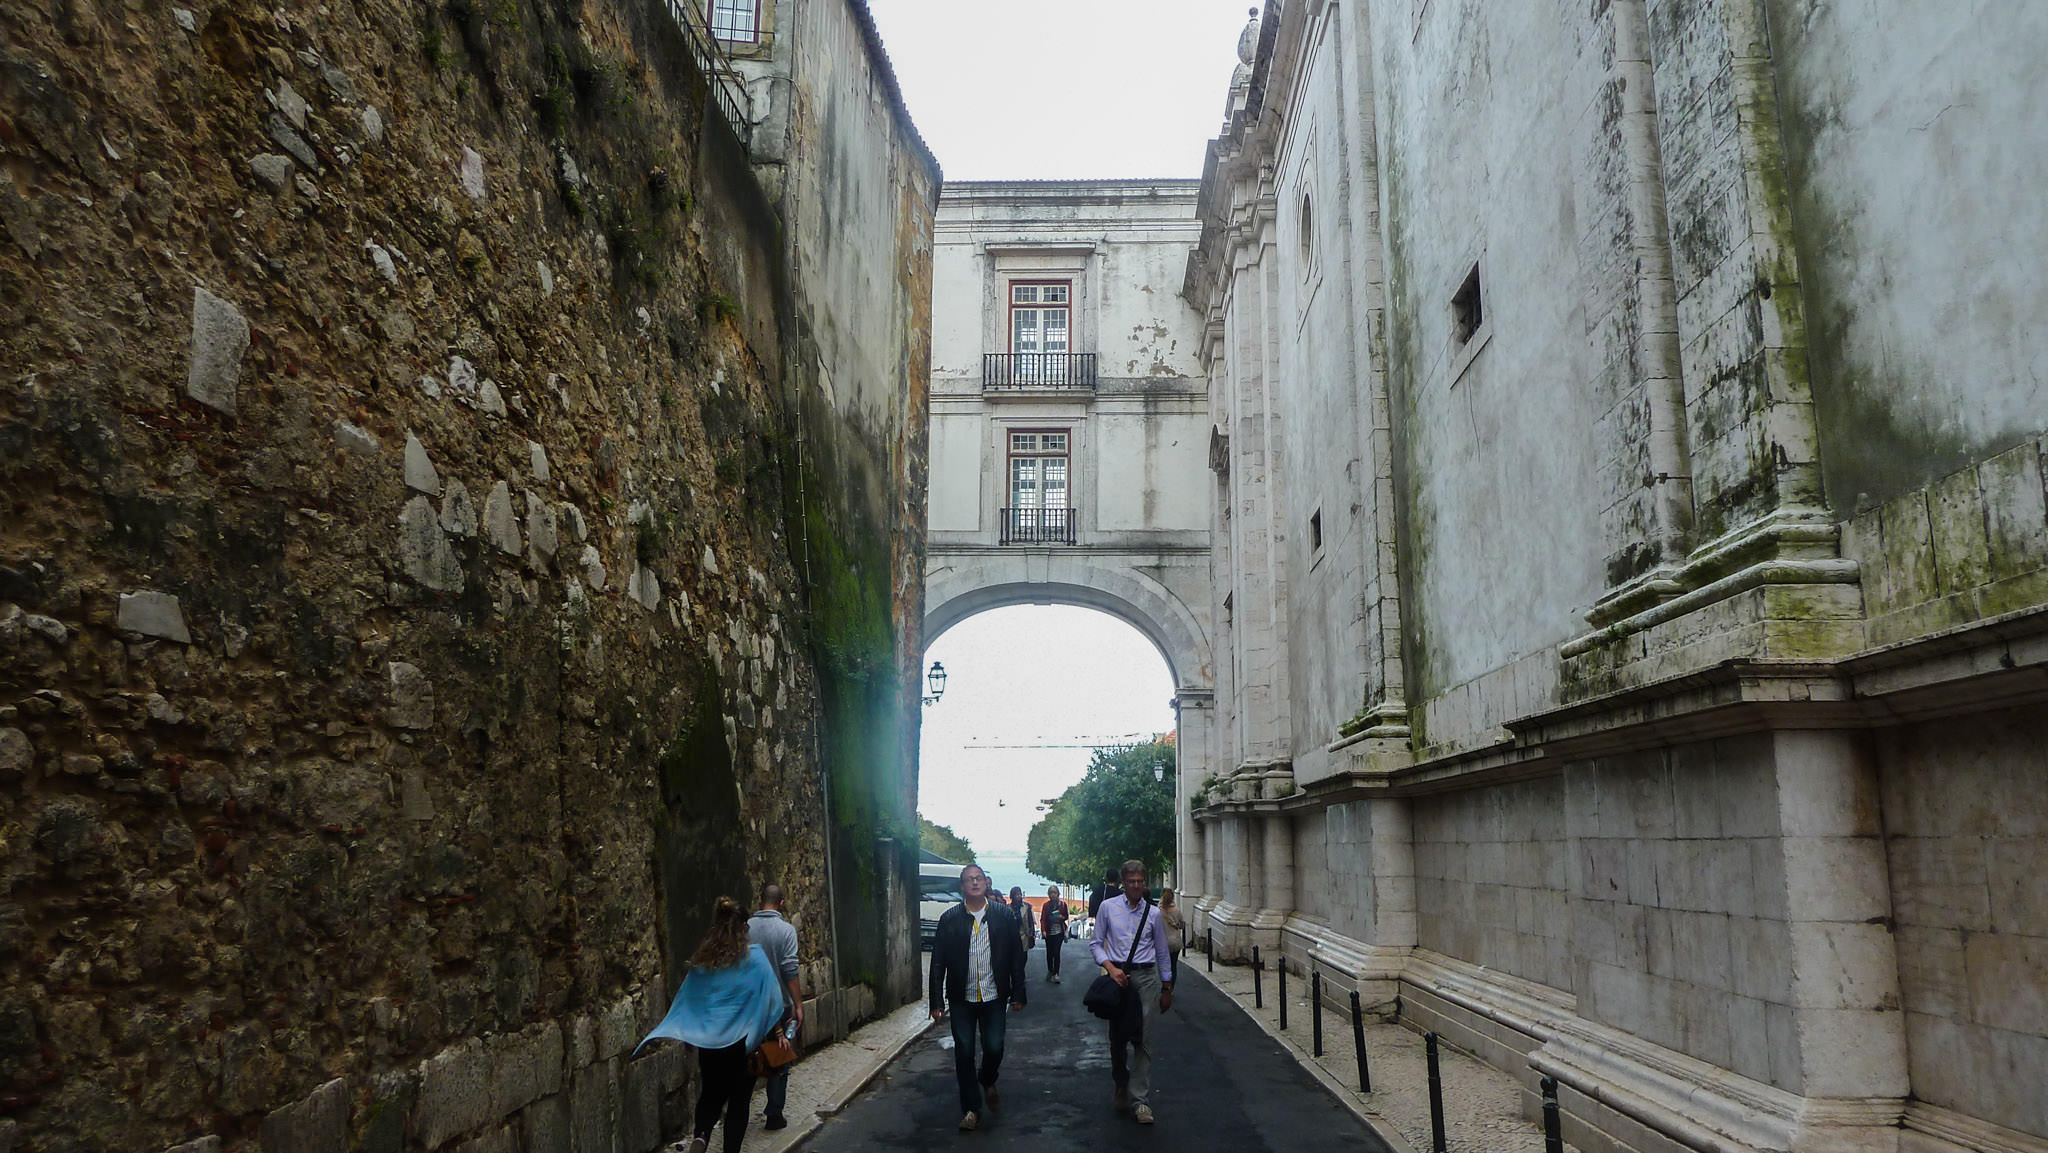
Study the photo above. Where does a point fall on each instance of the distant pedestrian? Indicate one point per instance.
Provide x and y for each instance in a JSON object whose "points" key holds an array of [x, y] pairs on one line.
{"points": [[1176, 925], [1027, 925], [1111, 885], [977, 968], [777, 938], [1053, 924], [1148, 976], [729, 1003]]}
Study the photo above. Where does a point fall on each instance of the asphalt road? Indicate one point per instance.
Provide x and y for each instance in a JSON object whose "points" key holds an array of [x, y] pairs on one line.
{"points": [[1217, 1083]]}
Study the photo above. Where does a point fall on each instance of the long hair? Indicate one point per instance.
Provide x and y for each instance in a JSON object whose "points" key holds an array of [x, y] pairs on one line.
{"points": [[725, 942]]}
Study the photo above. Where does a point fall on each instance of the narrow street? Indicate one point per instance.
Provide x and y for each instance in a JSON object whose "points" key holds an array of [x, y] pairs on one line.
{"points": [[1218, 1083]]}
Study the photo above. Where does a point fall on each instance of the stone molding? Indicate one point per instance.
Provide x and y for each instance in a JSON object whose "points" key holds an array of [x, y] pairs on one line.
{"points": [[1960, 1130]]}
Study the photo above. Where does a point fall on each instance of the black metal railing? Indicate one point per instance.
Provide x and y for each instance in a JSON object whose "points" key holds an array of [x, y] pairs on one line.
{"points": [[1038, 526], [727, 87], [1037, 370]]}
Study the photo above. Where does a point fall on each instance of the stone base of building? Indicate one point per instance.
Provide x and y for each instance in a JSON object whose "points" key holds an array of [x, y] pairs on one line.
{"points": [[1619, 1093]]}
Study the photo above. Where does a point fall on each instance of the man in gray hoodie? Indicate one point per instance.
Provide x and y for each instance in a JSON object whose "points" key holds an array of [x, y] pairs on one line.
{"points": [[777, 938]]}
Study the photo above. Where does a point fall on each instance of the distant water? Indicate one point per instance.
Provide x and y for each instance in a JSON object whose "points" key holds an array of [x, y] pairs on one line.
{"points": [[1007, 870]]}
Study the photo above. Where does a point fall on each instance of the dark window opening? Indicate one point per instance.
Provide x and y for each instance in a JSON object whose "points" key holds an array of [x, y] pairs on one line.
{"points": [[1467, 309], [1315, 530]]}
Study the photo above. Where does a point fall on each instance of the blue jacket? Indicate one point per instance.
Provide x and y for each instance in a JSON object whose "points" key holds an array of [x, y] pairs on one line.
{"points": [[720, 1007]]}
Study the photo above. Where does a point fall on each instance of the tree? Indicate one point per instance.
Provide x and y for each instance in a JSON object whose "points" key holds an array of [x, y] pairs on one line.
{"points": [[945, 842], [1118, 812]]}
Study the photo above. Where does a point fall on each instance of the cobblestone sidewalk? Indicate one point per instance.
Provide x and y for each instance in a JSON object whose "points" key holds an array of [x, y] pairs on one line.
{"points": [[1482, 1105], [826, 1078]]}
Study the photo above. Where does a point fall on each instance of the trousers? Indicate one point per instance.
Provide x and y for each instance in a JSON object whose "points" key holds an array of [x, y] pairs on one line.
{"points": [[1052, 955], [726, 1090], [990, 1019], [1135, 1071]]}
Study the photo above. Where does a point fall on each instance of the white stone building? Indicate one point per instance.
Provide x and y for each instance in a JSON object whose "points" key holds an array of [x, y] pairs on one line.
{"points": [[1630, 551], [1070, 417]]}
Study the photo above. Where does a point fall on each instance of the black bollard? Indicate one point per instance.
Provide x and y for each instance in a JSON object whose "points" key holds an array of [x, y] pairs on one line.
{"points": [[1283, 992], [1553, 1128], [1315, 996], [1436, 1096], [1258, 980], [1358, 1044], [1212, 950]]}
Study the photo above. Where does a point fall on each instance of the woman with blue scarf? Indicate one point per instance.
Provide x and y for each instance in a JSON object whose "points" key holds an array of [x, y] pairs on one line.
{"points": [[730, 1002]]}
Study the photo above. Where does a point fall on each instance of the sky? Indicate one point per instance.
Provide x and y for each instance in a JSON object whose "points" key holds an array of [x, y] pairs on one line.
{"points": [[1030, 675], [1064, 89]]}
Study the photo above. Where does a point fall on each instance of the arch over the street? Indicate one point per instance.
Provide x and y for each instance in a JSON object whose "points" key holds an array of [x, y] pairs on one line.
{"points": [[959, 587]]}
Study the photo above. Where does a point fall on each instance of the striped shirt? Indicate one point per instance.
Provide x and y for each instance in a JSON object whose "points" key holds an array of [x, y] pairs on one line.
{"points": [[981, 972]]}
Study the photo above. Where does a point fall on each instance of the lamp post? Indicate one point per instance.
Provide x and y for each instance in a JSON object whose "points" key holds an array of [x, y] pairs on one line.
{"points": [[1158, 770], [935, 680]]}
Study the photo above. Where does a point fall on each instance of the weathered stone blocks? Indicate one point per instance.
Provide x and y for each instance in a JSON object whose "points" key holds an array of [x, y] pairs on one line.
{"points": [[317, 1124], [153, 614], [220, 336], [423, 549]]}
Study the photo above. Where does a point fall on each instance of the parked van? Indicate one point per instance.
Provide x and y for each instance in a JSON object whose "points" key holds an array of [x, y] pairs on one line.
{"points": [[938, 889]]}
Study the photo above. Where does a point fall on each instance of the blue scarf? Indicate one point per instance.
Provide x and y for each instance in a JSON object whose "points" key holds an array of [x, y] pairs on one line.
{"points": [[719, 1007]]}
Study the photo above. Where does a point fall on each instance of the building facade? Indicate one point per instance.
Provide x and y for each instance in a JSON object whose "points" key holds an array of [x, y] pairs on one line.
{"points": [[1630, 561], [1069, 417]]}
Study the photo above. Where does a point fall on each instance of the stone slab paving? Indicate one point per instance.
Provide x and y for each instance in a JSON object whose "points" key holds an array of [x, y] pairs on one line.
{"points": [[825, 1079], [1482, 1105]]}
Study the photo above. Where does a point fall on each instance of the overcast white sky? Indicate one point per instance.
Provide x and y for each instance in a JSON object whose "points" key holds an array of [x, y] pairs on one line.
{"points": [[1064, 89], [1030, 675]]}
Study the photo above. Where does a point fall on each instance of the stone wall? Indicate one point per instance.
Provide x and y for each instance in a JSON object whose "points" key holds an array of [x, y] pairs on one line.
{"points": [[1686, 567], [408, 623], [1490, 880], [1678, 910], [1965, 830]]}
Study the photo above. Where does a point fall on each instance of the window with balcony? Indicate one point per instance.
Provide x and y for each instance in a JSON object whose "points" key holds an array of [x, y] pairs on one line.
{"points": [[735, 21], [1041, 343], [1039, 511]]}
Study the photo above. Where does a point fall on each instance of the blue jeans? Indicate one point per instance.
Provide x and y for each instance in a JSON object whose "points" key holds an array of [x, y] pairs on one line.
{"points": [[778, 1091], [990, 1018]]}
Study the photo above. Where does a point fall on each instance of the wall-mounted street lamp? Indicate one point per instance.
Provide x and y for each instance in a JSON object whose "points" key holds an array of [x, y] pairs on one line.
{"points": [[1158, 770], [936, 681]]}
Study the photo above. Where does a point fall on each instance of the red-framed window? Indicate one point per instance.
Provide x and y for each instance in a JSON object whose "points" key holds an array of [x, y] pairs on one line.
{"points": [[735, 21], [1039, 469], [1041, 314]]}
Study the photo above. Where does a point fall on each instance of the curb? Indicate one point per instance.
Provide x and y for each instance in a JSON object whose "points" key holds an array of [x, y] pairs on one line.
{"points": [[1380, 1126], [801, 1129]]}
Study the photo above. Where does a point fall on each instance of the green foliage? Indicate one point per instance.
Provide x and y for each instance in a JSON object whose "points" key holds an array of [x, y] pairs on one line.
{"points": [[431, 46], [718, 306], [1117, 812], [945, 842]]}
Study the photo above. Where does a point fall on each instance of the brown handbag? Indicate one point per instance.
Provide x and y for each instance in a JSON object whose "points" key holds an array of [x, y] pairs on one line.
{"points": [[774, 1053]]}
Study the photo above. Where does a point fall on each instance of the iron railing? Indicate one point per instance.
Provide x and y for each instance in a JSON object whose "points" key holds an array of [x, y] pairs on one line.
{"points": [[1038, 526], [1037, 370], [728, 88]]}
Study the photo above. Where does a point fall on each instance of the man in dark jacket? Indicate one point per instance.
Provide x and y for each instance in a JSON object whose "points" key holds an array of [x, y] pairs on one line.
{"points": [[977, 968]]}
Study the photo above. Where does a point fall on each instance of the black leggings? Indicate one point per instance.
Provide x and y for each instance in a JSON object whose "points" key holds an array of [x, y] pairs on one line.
{"points": [[1052, 955], [727, 1089]]}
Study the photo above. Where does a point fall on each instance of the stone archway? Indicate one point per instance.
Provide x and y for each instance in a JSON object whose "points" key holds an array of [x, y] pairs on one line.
{"points": [[959, 585]]}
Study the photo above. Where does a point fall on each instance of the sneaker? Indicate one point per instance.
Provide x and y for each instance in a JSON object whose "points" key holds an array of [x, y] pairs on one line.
{"points": [[1143, 1114], [1123, 1098], [1055, 978], [967, 1123], [697, 1145], [992, 1098], [774, 1123]]}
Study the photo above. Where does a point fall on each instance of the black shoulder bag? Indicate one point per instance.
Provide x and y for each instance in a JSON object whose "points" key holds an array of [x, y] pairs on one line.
{"points": [[1105, 998]]}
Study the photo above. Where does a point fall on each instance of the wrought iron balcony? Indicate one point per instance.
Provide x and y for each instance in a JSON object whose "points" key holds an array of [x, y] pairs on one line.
{"points": [[1000, 370], [1038, 526]]}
